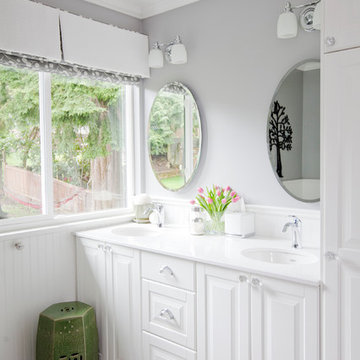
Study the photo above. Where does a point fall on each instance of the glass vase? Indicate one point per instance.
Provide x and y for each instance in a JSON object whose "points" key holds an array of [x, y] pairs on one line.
{"points": [[215, 225]]}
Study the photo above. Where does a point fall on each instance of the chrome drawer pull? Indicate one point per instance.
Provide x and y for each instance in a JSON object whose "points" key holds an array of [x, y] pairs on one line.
{"points": [[168, 269], [167, 314]]}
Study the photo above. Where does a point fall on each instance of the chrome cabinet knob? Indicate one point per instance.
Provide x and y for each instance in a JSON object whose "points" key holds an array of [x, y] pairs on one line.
{"points": [[101, 247], [167, 314], [167, 269], [331, 256], [108, 248], [19, 246], [330, 41], [256, 282], [244, 278]]}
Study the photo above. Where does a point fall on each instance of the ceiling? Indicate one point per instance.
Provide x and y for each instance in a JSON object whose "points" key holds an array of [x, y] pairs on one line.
{"points": [[141, 9]]}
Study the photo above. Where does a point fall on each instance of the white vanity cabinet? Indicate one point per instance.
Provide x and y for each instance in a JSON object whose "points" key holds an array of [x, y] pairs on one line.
{"points": [[108, 279], [243, 316], [341, 24], [151, 306]]}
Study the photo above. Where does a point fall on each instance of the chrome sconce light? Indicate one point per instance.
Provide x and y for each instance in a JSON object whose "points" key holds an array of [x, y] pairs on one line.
{"points": [[175, 53], [309, 18]]}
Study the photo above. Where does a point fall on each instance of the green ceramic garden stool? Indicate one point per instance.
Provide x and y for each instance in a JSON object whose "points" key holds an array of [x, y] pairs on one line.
{"points": [[67, 331]]}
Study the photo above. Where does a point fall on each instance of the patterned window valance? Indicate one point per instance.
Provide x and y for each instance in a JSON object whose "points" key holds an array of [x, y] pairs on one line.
{"points": [[39, 64]]}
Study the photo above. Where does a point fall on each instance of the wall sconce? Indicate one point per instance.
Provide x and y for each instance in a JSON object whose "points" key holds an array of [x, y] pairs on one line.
{"points": [[309, 18], [175, 53]]}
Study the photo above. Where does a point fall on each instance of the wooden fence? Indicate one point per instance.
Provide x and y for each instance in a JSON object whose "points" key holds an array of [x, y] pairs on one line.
{"points": [[24, 187]]}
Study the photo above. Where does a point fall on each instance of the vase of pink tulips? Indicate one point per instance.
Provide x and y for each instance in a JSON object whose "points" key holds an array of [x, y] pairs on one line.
{"points": [[214, 201]]}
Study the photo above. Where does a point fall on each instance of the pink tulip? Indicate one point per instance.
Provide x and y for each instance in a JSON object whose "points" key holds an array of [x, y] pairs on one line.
{"points": [[200, 190], [217, 187], [218, 193], [224, 201], [228, 188], [192, 202], [202, 196], [235, 199], [210, 201], [233, 194]]}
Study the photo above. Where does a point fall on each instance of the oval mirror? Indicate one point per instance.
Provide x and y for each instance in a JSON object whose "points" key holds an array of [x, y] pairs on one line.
{"points": [[293, 131], [174, 136]]}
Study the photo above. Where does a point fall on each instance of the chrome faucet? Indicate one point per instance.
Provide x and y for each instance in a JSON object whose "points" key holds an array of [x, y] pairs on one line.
{"points": [[160, 212], [295, 225]]}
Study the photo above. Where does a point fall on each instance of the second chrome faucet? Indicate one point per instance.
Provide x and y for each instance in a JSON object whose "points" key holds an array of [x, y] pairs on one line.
{"points": [[295, 225]]}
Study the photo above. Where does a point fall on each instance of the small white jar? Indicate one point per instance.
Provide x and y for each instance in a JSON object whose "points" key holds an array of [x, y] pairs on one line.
{"points": [[197, 220]]}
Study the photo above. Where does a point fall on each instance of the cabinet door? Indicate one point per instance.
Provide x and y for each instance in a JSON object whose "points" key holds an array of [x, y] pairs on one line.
{"points": [[284, 320], [341, 211], [124, 320], [91, 285], [341, 22], [223, 314]]}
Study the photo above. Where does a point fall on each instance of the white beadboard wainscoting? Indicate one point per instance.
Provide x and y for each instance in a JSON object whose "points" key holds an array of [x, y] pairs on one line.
{"points": [[41, 273], [38, 275]]}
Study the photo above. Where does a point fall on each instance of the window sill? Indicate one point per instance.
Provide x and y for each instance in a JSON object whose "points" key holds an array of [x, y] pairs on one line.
{"points": [[15, 227]]}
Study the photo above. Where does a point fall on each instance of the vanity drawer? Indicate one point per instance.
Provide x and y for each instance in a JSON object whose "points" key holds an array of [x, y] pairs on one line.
{"points": [[169, 312], [155, 348], [168, 270]]}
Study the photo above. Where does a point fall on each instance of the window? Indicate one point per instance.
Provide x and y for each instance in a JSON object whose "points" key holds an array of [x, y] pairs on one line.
{"points": [[20, 181], [85, 168], [88, 145]]}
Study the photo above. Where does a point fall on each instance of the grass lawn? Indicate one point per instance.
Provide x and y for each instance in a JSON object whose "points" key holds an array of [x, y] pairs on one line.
{"points": [[173, 183], [14, 159]]}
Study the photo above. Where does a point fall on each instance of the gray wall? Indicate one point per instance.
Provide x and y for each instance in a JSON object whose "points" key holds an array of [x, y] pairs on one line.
{"points": [[311, 125], [290, 95], [235, 64], [95, 12]]}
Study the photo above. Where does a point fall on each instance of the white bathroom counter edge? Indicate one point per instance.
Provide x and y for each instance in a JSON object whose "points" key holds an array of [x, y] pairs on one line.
{"points": [[223, 251]]}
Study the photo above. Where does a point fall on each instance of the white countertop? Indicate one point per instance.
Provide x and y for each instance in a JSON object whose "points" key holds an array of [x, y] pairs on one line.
{"points": [[225, 250]]}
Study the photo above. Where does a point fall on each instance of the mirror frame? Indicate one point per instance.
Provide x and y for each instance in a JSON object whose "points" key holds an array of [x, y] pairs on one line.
{"points": [[196, 167], [267, 128]]}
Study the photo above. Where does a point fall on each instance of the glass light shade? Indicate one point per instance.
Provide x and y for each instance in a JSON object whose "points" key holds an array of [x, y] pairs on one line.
{"points": [[317, 16], [156, 59], [178, 54], [287, 26]]}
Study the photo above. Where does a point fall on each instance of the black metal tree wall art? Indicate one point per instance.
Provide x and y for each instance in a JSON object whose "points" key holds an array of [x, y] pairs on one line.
{"points": [[280, 133]]}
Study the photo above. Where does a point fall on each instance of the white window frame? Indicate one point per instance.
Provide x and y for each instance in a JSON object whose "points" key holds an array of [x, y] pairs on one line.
{"points": [[48, 218]]}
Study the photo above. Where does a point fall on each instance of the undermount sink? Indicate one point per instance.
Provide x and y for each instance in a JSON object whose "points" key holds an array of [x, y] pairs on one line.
{"points": [[134, 231], [277, 256]]}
